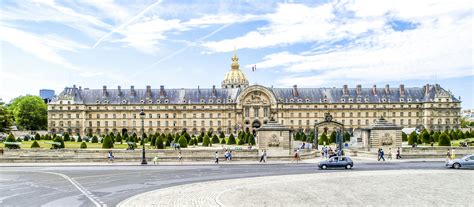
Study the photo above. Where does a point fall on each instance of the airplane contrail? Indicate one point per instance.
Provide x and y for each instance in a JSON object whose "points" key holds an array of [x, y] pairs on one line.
{"points": [[180, 50], [126, 23]]}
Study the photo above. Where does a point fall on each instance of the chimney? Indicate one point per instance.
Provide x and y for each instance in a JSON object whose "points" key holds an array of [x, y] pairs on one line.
{"points": [[80, 88], [427, 89], [295, 91], [214, 92], [162, 91], [402, 90], [359, 89], [345, 90], [374, 90], [104, 90], [132, 91], [148, 91], [387, 89], [119, 90]]}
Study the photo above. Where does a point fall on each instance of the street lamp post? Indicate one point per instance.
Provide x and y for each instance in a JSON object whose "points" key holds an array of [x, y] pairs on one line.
{"points": [[142, 116]]}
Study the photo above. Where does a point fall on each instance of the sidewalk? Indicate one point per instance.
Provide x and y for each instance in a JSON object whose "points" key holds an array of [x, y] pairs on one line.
{"points": [[210, 162]]}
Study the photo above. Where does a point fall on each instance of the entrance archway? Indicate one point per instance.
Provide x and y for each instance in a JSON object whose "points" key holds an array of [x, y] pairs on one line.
{"points": [[339, 127], [256, 124]]}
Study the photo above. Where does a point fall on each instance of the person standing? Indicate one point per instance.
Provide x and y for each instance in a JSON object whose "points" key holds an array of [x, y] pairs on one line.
{"points": [[398, 154], [180, 157], [111, 156], [378, 154], [217, 158], [448, 155], [262, 157]]}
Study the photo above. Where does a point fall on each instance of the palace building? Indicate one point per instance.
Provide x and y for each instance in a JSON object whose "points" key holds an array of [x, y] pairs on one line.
{"points": [[240, 106]]}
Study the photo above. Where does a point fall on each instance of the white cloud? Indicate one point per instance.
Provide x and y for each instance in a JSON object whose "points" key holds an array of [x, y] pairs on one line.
{"points": [[46, 47]]}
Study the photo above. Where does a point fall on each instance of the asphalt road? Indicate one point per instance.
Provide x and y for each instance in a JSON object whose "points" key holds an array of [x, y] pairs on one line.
{"points": [[109, 185]]}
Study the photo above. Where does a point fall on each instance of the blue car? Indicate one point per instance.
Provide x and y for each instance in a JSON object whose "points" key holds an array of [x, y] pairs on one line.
{"points": [[337, 162], [465, 162]]}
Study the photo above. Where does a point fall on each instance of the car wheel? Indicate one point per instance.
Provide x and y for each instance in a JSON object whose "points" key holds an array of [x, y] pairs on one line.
{"points": [[456, 165], [348, 166], [324, 167]]}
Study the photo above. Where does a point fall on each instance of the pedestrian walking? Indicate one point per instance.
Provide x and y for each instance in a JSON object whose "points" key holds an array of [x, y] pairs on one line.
{"points": [[262, 157], [378, 154], [398, 154], [155, 160], [111, 156], [390, 153], [382, 155], [180, 157], [448, 155], [217, 158]]}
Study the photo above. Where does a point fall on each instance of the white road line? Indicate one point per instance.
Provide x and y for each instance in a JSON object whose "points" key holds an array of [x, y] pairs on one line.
{"points": [[78, 186]]}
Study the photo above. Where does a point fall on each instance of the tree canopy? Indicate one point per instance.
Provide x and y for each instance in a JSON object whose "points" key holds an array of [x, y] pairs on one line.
{"points": [[29, 112]]}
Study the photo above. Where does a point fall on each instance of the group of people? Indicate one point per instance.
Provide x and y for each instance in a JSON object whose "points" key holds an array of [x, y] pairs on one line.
{"points": [[328, 152], [381, 154], [228, 155], [450, 155], [296, 156], [175, 146]]}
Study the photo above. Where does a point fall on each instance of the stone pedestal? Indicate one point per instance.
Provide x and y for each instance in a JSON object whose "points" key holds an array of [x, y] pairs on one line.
{"points": [[274, 136], [383, 134]]}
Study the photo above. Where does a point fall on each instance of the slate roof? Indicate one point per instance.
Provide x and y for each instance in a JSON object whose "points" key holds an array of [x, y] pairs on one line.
{"points": [[229, 96]]}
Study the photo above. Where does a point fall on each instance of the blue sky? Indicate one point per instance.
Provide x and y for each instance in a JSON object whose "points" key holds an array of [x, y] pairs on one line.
{"points": [[185, 44]]}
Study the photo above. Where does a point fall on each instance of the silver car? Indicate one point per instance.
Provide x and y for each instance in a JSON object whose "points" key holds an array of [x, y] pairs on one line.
{"points": [[465, 162]]}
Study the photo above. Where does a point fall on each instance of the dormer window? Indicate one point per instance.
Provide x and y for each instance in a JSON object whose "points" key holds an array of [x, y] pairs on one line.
{"points": [[158, 101], [359, 100], [366, 100], [384, 100], [307, 100], [142, 101], [124, 101], [150, 101], [98, 101], [409, 100], [300, 100], [351, 100], [210, 100], [203, 101], [292, 100], [218, 101], [166, 101], [343, 100], [184, 100], [402, 99], [325, 100], [229, 100]]}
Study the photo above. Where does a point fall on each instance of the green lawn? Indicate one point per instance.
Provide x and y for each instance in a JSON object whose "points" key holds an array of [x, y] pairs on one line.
{"points": [[69, 145], [456, 142]]}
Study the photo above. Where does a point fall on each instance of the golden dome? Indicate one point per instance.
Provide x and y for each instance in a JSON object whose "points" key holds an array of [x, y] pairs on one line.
{"points": [[235, 78]]}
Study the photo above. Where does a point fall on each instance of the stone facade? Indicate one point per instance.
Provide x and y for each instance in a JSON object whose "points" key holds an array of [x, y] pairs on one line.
{"points": [[238, 106], [274, 136]]}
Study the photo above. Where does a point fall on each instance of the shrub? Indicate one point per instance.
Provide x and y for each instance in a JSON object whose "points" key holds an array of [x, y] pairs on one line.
{"points": [[223, 141], [183, 142], [436, 137], [95, 139], [107, 142], [153, 140], [404, 137], [11, 138], [206, 141], [251, 140], [187, 136], [35, 144], [83, 145], [119, 139], [332, 137], [231, 140], [18, 139], [191, 142], [37, 136], [159, 142], [60, 140], [222, 135], [444, 140], [425, 135], [200, 139], [66, 137], [323, 139], [412, 139], [240, 142], [215, 139], [79, 139]]}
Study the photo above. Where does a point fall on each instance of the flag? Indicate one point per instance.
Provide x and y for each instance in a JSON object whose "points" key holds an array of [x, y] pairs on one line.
{"points": [[254, 68]]}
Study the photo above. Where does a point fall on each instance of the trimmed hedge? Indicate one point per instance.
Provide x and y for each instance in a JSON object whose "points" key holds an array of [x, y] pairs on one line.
{"points": [[95, 139], [83, 145], [444, 140], [183, 142], [206, 141], [107, 142], [35, 145], [215, 139], [231, 140]]}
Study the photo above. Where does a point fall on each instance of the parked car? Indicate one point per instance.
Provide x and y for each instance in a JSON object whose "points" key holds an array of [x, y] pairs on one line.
{"points": [[465, 162], [337, 162]]}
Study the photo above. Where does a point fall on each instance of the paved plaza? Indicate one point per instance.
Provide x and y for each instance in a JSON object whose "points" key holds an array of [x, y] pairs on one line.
{"points": [[384, 188]]}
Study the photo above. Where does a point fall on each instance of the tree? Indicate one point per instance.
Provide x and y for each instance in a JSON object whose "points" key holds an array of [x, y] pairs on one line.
{"points": [[404, 137], [83, 145], [187, 136], [215, 139], [347, 136], [223, 141], [206, 141], [323, 140], [251, 140], [159, 142], [333, 137], [119, 138], [183, 142], [200, 139], [460, 135], [11, 138], [6, 118], [66, 137], [107, 142], [444, 140], [60, 140], [222, 135], [436, 137], [425, 135], [153, 140], [191, 142], [37, 136], [412, 139], [231, 140], [95, 139], [35, 145], [240, 142], [29, 112]]}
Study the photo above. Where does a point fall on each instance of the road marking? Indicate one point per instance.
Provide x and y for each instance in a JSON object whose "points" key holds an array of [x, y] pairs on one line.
{"points": [[85, 192]]}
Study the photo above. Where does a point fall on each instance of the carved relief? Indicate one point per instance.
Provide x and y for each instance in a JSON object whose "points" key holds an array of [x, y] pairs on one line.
{"points": [[387, 139], [256, 98], [274, 141]]}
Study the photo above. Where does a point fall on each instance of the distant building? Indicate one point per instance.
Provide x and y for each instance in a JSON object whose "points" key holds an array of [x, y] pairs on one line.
{"points": [[47, 95], [468, 114]]}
